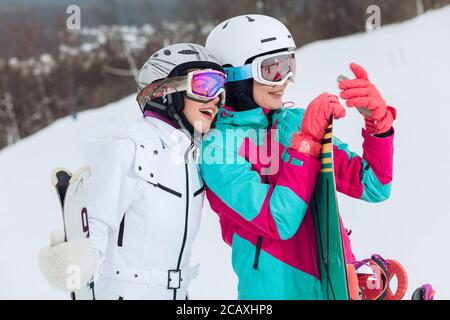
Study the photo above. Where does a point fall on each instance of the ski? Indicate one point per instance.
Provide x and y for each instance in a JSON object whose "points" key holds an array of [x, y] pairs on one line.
{"points": [[325, 212], [72, 193]]}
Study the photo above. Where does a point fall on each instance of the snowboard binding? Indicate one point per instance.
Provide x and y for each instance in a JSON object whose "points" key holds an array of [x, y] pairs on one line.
{"points": [[373, 279]]}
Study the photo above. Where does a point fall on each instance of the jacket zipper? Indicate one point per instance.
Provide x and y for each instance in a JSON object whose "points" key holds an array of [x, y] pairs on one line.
{"points": [[257, 253], [260, 240], [266, 180], [186, 217]]}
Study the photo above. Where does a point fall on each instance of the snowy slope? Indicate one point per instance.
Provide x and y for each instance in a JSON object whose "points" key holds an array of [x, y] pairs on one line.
{"points": [[410, 63]]}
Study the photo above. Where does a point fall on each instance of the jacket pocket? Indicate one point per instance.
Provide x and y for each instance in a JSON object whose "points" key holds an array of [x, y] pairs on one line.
{"points": [[166, 189], [257, 253], [121, 230], [199, 191]]}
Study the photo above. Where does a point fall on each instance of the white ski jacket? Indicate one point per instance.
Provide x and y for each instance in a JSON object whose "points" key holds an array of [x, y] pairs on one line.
{"points": [[144, 213]]}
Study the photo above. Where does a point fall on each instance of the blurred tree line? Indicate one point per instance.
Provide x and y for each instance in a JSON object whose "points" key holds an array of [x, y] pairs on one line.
{"points": [[310, 20], [49, 78]]}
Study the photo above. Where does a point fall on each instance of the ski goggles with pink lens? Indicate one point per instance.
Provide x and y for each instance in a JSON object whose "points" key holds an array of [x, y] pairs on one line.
{"points": [[200, 85], [274, 69]]}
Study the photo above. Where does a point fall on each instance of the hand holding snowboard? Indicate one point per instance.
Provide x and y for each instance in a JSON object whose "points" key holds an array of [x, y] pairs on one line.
{"points": [[315, 122]]}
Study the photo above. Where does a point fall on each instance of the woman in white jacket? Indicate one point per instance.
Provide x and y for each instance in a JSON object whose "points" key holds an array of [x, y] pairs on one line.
{"points": [[146, 196]]}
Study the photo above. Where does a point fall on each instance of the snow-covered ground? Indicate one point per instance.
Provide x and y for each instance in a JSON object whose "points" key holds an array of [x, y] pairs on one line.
{"points": [[409, 62]]}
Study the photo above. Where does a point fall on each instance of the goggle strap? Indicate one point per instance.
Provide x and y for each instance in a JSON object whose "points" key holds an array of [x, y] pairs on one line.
{"points": [[239, 73], [156, 105], [164, 89]]}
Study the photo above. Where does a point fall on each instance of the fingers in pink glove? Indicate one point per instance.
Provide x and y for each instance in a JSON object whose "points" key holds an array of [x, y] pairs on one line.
{"points": [[331, 106], [324, 97], [360, 102], [351, 84], [355, 93], [359, 71], [339, 111]]}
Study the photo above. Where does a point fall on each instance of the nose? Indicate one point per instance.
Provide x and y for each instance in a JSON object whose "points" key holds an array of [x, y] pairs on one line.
{"points": [[281, 87], [284, 85], [216, 100]]}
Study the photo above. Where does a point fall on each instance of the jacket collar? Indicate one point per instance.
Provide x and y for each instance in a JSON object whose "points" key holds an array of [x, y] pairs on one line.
{"points": [[255, 118], [171, 137], [153, 114]]}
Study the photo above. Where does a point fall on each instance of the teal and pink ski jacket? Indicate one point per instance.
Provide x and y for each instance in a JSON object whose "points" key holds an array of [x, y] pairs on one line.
{"points": [[261, 190]]}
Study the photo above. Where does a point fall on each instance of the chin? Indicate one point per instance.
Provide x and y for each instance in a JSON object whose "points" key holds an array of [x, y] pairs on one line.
{"points": [[274, 106], [204, 128]]}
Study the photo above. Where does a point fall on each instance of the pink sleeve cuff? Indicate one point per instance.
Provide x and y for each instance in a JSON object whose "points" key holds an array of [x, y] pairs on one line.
{"points": [[379, 154]]}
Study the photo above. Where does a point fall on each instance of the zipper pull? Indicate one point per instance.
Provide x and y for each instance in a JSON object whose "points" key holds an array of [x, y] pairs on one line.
{"points": [[186, 154]]}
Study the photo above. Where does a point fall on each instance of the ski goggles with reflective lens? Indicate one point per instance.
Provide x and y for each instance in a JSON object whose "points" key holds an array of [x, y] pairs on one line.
{"points": [[274, 69], [200, 85]]}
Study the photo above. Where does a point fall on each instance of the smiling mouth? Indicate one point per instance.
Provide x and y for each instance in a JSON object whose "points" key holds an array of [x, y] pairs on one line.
{"points": [[208, 113], [278, 94]]}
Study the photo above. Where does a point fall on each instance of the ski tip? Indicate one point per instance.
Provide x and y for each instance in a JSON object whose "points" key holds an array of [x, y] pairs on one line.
{"points": [[57, 171], [83, 171]]}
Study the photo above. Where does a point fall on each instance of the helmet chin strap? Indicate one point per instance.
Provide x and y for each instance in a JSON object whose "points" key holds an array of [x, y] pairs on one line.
{"points": [[195, 138], [156, 105], [173, 114]]}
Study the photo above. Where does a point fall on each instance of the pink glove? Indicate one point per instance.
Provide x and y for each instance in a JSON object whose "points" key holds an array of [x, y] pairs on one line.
{"points": [[362, 94], [315, 122]]}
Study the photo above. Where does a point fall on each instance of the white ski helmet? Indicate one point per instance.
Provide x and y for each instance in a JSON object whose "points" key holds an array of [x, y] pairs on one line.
{"points": [[253, 34], [173, 61], [163, 63]]}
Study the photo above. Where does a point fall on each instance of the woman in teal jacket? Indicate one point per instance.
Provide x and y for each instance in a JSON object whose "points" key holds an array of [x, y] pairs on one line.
{"points": [[261, 161]]}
